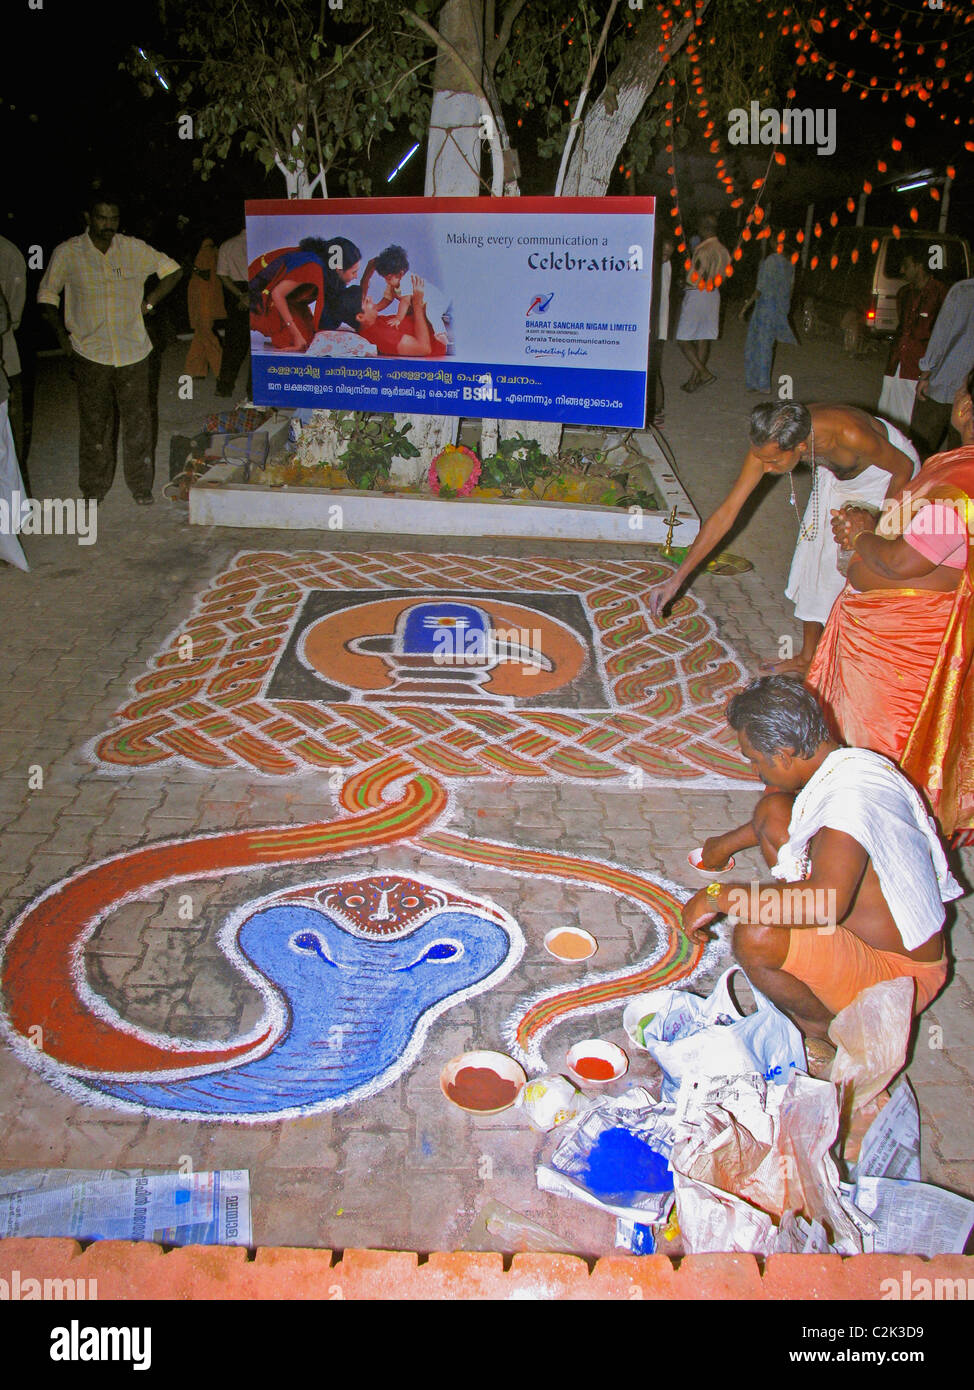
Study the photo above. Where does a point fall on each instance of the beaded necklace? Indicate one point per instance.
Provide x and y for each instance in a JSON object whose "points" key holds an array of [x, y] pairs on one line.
{"points": [[812, 532]]}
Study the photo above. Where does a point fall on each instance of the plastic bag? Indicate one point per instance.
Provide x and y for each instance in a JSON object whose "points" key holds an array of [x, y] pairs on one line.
{"points": [[615, 1157], [550, 1100], [747, 1154], [710, 1037], [871, 1036]]}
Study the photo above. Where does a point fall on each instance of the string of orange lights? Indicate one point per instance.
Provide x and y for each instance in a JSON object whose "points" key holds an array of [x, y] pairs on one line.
{"points": [[808, 56]]}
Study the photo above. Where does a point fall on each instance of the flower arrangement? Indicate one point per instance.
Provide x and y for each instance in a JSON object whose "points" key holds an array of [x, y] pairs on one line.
{"points": [[455, 470]]}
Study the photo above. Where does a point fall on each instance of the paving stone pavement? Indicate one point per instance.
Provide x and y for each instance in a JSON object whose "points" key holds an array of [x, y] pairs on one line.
{"points": [[404, 1169]]}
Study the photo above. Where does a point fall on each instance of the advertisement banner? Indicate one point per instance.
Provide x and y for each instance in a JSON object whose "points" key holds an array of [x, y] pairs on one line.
{"points": [[513, 308]]}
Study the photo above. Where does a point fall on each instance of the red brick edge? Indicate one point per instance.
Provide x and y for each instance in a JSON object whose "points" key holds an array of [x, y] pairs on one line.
{"points": [[135, 1270]]}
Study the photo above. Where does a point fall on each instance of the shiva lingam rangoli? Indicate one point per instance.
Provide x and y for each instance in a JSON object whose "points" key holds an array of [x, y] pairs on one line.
{"points": [[471, 667]]}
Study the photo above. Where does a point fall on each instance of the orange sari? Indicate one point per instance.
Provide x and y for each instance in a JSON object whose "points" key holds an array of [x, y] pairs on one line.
{"points": [[204, 295], [895, 667]]}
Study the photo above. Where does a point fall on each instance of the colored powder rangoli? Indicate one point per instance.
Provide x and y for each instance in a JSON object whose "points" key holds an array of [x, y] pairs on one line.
{"points": [[479, 1088], [595, 1068], [569, 946]]}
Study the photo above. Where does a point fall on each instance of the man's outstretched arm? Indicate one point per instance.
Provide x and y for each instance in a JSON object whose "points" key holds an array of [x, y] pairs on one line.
{"points": [[712, 532]]}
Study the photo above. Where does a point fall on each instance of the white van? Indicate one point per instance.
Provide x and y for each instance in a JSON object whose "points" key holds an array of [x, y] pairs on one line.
{"points": [[858, 294]]}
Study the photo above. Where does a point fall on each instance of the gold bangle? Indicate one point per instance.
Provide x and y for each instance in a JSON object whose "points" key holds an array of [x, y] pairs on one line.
{"points": [[713, 890]]}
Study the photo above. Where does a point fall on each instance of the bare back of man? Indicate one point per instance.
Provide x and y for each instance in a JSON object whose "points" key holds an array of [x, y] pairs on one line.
{"points": [[837, 860], [843, 439]]}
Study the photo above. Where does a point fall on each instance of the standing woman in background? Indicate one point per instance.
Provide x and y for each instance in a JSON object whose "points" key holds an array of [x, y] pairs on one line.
{"points": [[769, 322]]}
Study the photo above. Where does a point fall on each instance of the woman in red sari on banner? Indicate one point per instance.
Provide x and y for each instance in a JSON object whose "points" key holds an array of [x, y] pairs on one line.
{"points": [[895, 664], [300, 289]]}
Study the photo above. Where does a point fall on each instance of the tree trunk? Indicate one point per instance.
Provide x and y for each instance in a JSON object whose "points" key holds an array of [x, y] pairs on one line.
{"points": [[452, 170], [611, 117], [453, 149]]}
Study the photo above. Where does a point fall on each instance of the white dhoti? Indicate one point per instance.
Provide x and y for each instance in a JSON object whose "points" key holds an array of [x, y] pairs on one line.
{"points": [[699, 316], [814, 581], [896, 399], [11, 487]]}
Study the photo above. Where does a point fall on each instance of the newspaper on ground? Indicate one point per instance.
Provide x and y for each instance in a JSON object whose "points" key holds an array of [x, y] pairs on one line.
{"points": [[891, 1145], [914, 1218], [167, 1208]]}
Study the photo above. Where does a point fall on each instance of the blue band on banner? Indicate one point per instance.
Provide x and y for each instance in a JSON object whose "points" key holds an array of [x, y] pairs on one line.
{"points": [[572, 395]]}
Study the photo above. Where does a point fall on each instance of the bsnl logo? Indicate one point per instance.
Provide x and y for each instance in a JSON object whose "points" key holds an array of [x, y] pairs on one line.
{"points": [[484, 392], [539, 305]]}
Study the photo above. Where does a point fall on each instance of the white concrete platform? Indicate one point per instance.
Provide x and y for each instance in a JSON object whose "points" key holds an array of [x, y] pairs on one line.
{"points": [[222, 498]]}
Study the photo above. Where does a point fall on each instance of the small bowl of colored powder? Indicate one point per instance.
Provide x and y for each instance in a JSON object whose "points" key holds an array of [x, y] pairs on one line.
{"points": [[694, 859], [482, 1083], [595, 1062], [570, 943]]}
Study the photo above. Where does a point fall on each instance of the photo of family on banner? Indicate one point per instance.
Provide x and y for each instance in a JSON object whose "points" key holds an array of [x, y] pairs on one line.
{"points": [[538, 311]]}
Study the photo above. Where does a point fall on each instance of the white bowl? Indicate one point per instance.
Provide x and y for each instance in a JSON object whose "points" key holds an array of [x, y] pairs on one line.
{"points": [[606, 1052], [586, 938], [693, 859], [504, 1066]]}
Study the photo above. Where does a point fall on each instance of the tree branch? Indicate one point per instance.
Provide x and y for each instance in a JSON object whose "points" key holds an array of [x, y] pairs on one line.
{"points": [[495, 47], [583, 94]]}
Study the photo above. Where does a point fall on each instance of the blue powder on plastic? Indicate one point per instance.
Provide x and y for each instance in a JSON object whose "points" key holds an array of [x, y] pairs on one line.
{"points": [[621, 1164]]}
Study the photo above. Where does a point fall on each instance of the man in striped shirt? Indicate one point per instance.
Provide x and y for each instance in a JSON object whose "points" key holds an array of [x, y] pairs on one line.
{"points": [[103, 275]]}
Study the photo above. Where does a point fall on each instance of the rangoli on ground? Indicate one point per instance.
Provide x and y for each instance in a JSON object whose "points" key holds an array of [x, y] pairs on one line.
{"points": [[467, 667]]}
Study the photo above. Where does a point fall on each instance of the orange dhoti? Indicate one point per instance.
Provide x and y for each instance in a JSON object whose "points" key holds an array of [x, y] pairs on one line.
{"points": [[874, 663]]}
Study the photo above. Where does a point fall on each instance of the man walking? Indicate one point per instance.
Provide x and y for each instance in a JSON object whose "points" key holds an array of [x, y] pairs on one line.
{"points": [[103, 277], [11, 483], [699, 323], [944, 368], [13, 286]]}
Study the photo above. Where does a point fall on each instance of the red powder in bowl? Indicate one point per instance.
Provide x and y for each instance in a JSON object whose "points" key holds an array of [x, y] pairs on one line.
{"points": [[594, 1068], [479, 1088]]}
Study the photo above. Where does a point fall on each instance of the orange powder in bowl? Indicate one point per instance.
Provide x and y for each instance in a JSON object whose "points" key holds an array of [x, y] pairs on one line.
{"points": [[569, 946], [595, 1069]]}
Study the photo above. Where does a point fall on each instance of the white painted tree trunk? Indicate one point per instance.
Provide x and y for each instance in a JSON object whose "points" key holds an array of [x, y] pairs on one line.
{"points": [[296, 174], [452, 170], [453, 150], [612, 115]]}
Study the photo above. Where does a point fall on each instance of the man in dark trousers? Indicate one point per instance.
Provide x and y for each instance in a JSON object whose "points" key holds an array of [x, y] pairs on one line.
{"points": [[231, 266], [944, 368], [103, 275]]}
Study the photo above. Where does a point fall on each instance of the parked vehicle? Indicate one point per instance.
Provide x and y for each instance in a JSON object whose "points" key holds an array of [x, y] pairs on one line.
{"points": [[858, 295]]}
